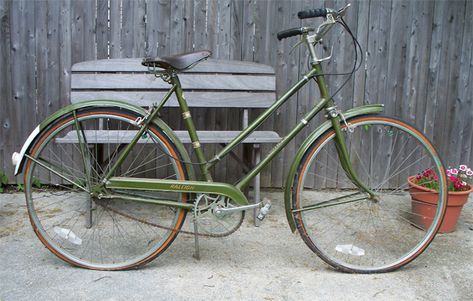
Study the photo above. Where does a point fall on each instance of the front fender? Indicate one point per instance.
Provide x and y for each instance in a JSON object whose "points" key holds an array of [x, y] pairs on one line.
{"points": [[19, 158], [362, 110]]}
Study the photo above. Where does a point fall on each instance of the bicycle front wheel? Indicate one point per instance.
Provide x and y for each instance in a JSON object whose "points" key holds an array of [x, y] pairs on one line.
{"points": [[346, 227], [72, 157]]}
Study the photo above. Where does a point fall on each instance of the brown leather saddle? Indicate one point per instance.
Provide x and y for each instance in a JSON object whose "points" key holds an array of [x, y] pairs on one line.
{"points": [[178, 62]]}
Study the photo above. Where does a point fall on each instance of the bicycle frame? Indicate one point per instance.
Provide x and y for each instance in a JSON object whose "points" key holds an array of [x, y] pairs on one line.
{"points": [[234, 192]]}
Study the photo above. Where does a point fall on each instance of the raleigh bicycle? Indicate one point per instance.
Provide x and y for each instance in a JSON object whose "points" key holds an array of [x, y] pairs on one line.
{"points": [[117, 196]]}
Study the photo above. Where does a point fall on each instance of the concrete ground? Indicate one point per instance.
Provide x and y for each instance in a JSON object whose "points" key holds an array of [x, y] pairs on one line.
{"points": [[265, 263]]}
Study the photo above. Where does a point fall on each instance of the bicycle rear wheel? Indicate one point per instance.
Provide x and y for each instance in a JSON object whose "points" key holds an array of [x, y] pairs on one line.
{"points": [[92, 232], [340, 223]]}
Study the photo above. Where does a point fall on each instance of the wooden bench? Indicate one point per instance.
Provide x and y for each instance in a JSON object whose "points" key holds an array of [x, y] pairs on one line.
{"points": [[210, 84]]}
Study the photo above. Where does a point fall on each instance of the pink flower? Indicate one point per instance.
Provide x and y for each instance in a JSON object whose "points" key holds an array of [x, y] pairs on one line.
{"points": [[418, 177], [452, 178], [463, 167], [469, 172], [454, 171]]}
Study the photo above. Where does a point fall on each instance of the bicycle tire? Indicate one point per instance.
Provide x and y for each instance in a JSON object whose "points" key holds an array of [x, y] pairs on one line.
{"points": [[366, 235], [111, 234]]}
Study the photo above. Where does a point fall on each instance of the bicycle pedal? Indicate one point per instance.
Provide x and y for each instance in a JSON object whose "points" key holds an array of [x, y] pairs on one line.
{"points": [[264, 210]]}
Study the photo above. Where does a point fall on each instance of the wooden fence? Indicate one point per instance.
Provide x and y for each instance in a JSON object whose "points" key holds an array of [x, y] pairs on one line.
{"points": [[418, 59]]}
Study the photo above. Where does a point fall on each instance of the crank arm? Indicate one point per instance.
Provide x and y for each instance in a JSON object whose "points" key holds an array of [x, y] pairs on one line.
{"points": [[265, 205], [219, 212]]}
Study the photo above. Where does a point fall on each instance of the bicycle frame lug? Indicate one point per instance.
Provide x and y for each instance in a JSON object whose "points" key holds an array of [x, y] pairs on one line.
{"points": [[186, 115], [332, 112]]}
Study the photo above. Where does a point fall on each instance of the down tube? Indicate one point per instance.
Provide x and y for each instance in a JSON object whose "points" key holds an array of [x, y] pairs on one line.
{"points": [[302, 123], [260, 119]]}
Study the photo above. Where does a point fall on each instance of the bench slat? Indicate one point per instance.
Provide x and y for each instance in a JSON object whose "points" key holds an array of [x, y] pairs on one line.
{"points": [[208, 66], [194, 99], [114, 136], [188, 81]]}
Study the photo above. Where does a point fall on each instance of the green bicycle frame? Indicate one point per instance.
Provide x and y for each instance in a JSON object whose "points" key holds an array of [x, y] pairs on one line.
{"points": [[234, 192]]}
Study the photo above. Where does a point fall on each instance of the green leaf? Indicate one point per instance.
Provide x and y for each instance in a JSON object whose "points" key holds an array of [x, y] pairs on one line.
{"points": [[35, 182], [20, 188], [3, 179]]}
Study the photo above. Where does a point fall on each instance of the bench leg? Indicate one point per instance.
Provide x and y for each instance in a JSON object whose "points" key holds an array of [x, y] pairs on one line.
{"points": [[256, 184]]}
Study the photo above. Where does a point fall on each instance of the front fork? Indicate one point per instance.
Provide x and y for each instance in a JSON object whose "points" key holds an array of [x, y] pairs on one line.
{"points": [[334, 116], [342, 151]]}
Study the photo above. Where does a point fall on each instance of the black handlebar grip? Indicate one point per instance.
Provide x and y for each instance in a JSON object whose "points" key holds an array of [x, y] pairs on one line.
{"points": [[289, 33], [312, 13]]}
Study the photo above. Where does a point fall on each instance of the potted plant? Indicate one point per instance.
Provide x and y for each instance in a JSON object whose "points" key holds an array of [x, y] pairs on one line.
{"points": [[423, 188]]}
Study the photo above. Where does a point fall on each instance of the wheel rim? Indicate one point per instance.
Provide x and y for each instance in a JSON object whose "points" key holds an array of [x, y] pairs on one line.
{"points": [[365, 235], [122, 234]]}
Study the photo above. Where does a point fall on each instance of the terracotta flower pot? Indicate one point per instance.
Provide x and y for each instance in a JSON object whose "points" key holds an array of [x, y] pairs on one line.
{"points": [[423, 210]]}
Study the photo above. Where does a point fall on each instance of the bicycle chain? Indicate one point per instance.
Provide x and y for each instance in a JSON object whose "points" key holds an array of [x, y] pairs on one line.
{"points": [[169, 228]]}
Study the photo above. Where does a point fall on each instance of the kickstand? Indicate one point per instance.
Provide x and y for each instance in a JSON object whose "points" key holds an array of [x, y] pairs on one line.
{"points": [[196, 237]]}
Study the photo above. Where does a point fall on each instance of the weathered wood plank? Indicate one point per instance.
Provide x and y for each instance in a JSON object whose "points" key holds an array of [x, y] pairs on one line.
{"points": [[115, 28], [65, 53], [7, 126], [199, 34], [262, 17], [148, 81], [234, 117], [433, 75], [450, 78], [418, 56], [102, 31], [222, 51], [178, 23], [133, 28], [289, 118], [194, 99], [23, 74], [114, 136], [461, 132], [157, 27], [278, 59], [397, 83], [207, 66]]}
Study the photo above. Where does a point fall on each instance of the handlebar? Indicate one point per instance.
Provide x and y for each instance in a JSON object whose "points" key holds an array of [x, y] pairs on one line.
{"points": [[293, 32], [327, 13], [312, 13]]}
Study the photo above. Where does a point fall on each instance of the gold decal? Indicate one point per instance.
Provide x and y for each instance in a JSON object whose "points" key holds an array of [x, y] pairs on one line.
{"points": [[182, 187]]}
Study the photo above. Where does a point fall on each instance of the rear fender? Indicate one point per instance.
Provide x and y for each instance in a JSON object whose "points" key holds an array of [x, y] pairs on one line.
{"points": [[19, 159]]}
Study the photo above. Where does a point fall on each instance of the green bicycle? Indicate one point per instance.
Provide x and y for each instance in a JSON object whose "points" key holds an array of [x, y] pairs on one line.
{"points": [[118, 194]]}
